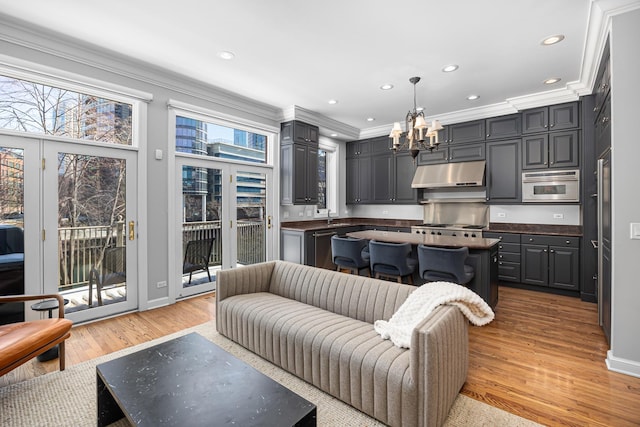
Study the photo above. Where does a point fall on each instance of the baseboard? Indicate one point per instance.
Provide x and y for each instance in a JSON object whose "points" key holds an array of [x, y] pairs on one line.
{"points": [[623, 366], [156, 303]]}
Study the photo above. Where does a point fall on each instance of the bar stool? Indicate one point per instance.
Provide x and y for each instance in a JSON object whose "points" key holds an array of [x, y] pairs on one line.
{"points": [[350, 254], [392, 260], [442, 264]]}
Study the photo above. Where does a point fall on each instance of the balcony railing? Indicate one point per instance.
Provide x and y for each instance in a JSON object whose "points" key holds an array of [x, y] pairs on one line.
{"points": [[81, 248]]}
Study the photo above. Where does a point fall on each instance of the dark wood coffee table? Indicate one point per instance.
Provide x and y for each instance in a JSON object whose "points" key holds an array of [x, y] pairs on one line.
{"points": [[190, 381]]}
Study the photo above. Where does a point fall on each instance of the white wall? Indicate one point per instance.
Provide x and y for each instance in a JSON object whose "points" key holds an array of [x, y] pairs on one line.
{"points": [[624, 355], [536, 214]]}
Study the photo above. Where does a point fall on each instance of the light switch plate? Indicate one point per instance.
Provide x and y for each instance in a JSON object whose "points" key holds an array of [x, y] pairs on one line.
{"points": [[635, 230]]}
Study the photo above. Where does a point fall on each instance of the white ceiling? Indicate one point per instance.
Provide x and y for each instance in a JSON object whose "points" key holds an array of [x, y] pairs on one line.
{"points": [[305, 53]]}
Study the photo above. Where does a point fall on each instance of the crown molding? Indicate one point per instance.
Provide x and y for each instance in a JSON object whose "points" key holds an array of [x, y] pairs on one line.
{"points": [[326, 124], [19, 33]]}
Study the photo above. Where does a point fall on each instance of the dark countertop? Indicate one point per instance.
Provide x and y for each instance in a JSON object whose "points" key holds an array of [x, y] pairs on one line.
{"points": [[496, 227], [321, 224], [425, 239], [552, 230]]}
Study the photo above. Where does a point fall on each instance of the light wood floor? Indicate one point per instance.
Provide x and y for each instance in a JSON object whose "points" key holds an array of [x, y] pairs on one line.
{"points": [[542, 357]]}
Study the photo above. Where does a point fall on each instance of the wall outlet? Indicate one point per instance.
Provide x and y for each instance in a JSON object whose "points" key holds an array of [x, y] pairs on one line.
{"points": [[558, 216], [162, 284], [300, 213], [285, 214], [309, 213], [502, 215], [385, 212]]}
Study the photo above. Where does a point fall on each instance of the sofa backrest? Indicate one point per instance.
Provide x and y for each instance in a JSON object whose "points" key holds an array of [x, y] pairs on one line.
{"points": [[354, 296]]}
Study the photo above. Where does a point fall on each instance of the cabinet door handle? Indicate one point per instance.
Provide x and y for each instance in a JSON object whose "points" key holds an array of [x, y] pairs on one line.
{"points": [[605, 120], [545, 251], [552, 251]]}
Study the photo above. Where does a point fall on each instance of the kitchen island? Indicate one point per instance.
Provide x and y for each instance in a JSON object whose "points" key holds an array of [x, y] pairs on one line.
{"points": [[483, 256]]}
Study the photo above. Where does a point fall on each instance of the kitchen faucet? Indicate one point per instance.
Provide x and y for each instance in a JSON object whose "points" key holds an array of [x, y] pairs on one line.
{"points": [[329, 217]]}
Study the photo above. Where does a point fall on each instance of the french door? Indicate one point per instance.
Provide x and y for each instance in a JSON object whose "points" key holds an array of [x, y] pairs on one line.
{"points": [[79, 219], [223, 220]]}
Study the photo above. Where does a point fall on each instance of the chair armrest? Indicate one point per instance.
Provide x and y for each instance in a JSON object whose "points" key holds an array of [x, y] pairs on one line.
{"points": [[21, 298], [439, 361]]}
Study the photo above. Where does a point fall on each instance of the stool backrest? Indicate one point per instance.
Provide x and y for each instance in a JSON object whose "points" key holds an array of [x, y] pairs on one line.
{"points": [[348, 249], [443, 260], [391, 255]]}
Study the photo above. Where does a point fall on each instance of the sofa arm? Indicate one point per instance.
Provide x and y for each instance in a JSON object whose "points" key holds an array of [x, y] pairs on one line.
{"points": [[244, 280], [439, 362]]}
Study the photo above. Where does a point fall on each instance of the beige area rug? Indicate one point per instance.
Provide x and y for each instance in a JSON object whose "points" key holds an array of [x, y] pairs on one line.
{"points": [[69, 398]]}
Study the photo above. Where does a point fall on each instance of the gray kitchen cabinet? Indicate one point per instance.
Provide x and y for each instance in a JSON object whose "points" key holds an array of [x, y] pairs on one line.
{"points": [[298, 174], [435, 156], [392, 175], [300, 132], [452, 153], [358, 180], [552, 118], [503, 127], [551, 261], [467, 152], [466, 132], [508, 255], [503, 174], [551, 150], [298, 163]]}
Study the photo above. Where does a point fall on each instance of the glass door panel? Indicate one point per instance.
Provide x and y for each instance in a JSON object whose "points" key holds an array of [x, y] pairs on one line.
{"points": [[95, 229], [201, 219], [251, 216], [13, 154]]}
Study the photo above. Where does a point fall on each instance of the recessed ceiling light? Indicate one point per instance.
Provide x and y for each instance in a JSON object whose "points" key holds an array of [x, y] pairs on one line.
{"points": [[370, 119], [386, 86], [333, 135], [552, 40], [473, 97], [333, 101], [225, 54], [552, 81], [450, 68]]}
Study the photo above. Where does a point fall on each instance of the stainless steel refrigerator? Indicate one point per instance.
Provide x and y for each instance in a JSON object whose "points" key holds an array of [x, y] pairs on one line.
{"points": [[604, 242]]}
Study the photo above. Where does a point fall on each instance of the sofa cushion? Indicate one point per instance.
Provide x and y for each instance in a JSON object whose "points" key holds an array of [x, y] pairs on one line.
{"points": [[342, 356], [360, 298]]}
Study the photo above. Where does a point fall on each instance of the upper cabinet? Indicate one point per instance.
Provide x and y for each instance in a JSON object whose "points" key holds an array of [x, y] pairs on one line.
{"points": [[466, 132], [503, 172], [298, 163], [551, 150], [555, 117], [504, 127], [300, 132]]}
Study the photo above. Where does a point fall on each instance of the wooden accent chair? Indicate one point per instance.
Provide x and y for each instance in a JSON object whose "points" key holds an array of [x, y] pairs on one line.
{"points": [[22, 341]]}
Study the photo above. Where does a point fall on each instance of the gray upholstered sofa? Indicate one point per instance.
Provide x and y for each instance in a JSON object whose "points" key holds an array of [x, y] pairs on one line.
{"points": [[318, 325]]}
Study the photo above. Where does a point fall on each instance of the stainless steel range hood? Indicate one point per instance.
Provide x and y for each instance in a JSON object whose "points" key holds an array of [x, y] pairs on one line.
{"points": [[463, 174]]}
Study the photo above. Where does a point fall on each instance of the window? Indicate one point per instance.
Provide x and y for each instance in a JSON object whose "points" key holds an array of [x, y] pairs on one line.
{"points": [[208, 139], [322, 179], [37, 108], [327, 181]]}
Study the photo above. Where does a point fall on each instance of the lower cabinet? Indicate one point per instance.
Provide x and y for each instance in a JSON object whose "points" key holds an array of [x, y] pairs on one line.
{"points": [[508, 255], [551, 261]]}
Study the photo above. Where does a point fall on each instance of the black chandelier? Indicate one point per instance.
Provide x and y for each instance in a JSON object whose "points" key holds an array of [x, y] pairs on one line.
{"points": [[419, 136]]}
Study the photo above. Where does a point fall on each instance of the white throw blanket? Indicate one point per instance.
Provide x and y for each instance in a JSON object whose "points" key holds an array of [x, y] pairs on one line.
{"points": [[423, 301]]}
